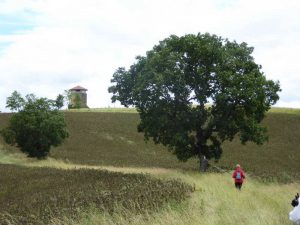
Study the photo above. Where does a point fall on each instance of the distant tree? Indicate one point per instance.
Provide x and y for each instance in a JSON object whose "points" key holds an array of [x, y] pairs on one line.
{"points": [[68, 98], [36, 126], [15, 101], [77, 101], [196, 91], [74, 100], [59, 102]]}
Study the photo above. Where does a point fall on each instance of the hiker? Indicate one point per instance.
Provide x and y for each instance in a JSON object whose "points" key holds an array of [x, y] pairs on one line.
{"points": [[204, 164], [295, 201], [239, 176], [294, 215]]}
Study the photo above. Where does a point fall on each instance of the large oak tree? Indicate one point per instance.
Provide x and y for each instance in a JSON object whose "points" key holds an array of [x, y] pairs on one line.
{"points": [[196, 91]]}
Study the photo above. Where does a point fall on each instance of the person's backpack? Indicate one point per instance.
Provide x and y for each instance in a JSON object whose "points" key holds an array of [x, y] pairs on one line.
{"points": [[238, 175]]}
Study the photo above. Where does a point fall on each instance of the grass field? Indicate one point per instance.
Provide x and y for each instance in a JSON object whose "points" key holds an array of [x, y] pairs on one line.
{"points": [[284, 110], [278, 158], [215, 201], [39, 194], [105, 138], [109, 140]]}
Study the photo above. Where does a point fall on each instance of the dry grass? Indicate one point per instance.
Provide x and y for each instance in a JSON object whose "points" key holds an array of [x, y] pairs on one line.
{"points": [[37, 195], [215, 202], [101, 140]]}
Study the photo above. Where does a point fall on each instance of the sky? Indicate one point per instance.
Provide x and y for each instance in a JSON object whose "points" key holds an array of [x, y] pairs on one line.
{"points": [[49, 46]]}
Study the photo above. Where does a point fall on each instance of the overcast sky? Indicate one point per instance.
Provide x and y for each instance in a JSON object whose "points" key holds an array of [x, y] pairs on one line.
{"points": [[48, 46]]}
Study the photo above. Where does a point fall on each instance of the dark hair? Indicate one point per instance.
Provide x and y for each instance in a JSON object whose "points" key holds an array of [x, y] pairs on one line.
{"points": [[295, 201]]}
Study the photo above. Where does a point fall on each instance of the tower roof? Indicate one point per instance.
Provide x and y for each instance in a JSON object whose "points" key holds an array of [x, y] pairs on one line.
{"points": [[77, 88]]}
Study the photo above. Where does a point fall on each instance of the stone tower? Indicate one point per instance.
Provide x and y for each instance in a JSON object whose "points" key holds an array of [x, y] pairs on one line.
{"points": [[78, 97]]}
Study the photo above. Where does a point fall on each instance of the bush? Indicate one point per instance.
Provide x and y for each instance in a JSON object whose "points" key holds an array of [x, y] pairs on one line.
{"points": [[37, 125]]}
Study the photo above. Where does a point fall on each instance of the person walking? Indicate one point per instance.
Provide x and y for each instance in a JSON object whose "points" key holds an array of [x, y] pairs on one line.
{"points": [[294, 215], [238, 176]]}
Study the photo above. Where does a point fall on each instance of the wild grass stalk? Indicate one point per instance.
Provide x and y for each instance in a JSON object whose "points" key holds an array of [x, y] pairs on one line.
{"points": [[215, 201]]}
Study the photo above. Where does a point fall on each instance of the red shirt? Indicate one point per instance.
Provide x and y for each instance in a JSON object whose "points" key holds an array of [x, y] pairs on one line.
{"points": [[240, 181]]}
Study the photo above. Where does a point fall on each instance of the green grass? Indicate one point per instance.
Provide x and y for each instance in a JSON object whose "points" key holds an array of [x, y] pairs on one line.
{"points": [[215, 200], [105, 140], [284, 110], [112, 110], [275, 160], [111, 139]]}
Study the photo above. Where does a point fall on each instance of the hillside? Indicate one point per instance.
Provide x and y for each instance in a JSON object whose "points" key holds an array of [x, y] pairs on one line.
{"points": [[66, 191], [111, 139], [107, 138]]}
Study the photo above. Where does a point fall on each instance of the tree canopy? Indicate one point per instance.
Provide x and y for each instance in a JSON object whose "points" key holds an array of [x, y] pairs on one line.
{"points": [[36, 126], [74, 100], [196, 91]]}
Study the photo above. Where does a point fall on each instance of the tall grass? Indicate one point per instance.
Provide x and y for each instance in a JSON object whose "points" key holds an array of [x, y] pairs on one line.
{"points": [[36, 195], [215, 202], [102, 140]]}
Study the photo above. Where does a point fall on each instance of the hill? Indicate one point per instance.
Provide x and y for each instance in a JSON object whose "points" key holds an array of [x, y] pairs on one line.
{"points": [[111, 138], [108, 140]]}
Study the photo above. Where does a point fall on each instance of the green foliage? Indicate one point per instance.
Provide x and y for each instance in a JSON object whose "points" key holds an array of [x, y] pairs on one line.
{"points": [[76, 101], [59, 102], [36, 126], [15, 101], [68, 98], [172, 85], [36, 195]]}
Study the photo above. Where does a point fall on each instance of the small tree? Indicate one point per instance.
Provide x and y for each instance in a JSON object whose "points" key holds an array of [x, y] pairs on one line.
{"points": [[77, 101], [196, 91], [68, 98], [37, 125], [74, 100]]}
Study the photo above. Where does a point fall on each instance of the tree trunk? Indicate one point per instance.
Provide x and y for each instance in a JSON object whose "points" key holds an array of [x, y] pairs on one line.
{"points": [[202, 150], [203, 163]]}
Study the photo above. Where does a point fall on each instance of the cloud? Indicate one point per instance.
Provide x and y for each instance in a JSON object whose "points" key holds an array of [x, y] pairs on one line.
{"points": [[82, 42]]}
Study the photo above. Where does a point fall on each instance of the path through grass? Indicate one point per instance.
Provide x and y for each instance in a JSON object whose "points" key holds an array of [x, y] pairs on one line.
{"points": [[215, 202]]}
